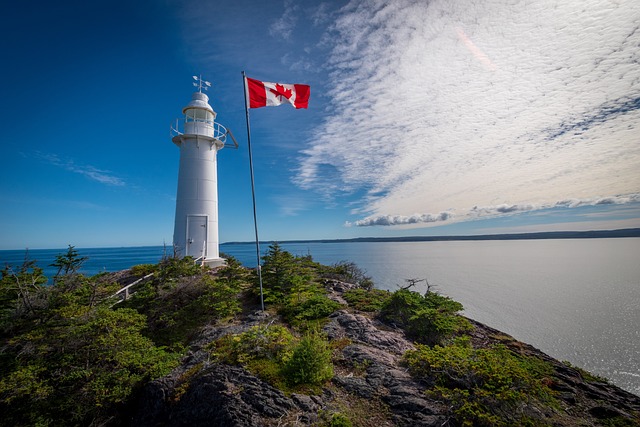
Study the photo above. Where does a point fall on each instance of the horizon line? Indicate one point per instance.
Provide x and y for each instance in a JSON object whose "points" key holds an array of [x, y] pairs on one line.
{"points": [[540, 235]]}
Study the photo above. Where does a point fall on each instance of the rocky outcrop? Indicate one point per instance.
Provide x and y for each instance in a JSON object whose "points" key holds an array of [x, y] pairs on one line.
{"points": [[220, 395], [369, 382]]}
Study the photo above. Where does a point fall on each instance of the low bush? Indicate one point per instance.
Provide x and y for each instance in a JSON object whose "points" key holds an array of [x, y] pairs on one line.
{"points": [[259, 342], [173, 268], [431, 318], [335, 419], [178, 312], [142, 270], [272, 353], [299, 311], [370, 300], [485, 387]]}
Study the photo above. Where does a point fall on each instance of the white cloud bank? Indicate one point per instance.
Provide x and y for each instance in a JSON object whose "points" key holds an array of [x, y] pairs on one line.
{"points": [[479, 108]]}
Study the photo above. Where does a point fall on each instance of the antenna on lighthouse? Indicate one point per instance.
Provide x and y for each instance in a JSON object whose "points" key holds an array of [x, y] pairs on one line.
{"points": [[199, 83]]}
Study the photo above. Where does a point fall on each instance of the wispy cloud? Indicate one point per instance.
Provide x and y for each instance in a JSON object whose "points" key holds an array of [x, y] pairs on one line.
{"points": [[91, 172], [321, 14], [290, 205], [283, 27], [479, 109]]}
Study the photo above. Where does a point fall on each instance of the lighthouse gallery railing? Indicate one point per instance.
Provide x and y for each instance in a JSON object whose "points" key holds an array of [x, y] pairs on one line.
{"points": [[219, 132]]}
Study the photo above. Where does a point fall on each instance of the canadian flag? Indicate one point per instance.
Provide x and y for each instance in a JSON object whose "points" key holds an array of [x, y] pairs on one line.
{"points": [[265, 94]]}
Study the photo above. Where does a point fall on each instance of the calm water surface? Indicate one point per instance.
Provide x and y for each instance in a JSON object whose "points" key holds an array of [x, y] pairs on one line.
{"points": [[577, 300]]}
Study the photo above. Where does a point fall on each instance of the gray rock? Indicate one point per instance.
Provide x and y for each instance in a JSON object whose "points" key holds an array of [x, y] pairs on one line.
{"points": [[362, 329], [221, 395]]}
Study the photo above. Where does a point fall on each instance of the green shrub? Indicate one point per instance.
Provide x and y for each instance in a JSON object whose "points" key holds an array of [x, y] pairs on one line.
{"points": [[174, 268], [177, 313], [263, 350], [82, 365], [316, 306], [432, 326], [339, 420], [367, 300], [431, 318], [142, 270], [259, 342], [234, 273], [486, 387], [402, 305], [271, 352], [310, 362]]}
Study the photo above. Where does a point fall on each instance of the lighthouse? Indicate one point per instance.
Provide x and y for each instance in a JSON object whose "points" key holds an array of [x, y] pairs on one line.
{"points": [[199, 138]]}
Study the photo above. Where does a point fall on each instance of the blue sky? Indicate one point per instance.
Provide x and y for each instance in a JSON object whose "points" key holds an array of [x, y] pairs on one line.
{"points": [[426, 118]]}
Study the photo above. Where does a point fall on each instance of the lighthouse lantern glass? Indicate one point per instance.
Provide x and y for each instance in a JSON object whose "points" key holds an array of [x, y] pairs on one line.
{"points": [[199, 115]]}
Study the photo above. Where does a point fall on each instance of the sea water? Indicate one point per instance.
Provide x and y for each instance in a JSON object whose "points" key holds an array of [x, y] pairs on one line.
{"points": [[577, 300]]}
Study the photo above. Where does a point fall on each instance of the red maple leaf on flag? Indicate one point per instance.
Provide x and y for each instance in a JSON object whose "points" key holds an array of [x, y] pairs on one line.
{"points": [[281, 91]]}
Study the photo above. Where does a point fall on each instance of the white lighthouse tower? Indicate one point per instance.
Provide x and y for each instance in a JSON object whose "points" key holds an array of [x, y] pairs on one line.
{"points": [[196, 224]]}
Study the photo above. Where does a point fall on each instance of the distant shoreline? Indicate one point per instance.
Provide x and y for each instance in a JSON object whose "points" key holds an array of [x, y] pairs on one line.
{"points": [[594, 234]]}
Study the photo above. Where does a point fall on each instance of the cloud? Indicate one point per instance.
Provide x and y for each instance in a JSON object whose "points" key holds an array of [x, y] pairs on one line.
{"points": [[401, 220], [88, 171], [478, 108], [283, 27], [492, 211], [499, 209], [290, 204], [598, 201], [489, 211], [321, 14]]}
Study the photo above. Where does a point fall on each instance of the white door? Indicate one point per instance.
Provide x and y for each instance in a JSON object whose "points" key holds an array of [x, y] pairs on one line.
{"points": [[196, 236]]}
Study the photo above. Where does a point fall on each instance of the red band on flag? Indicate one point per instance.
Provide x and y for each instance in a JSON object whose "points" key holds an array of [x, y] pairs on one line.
{"points": [[266, 94]]}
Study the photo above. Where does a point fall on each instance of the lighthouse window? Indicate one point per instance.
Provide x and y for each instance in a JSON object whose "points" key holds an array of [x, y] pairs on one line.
{"points": [[197, 115]]}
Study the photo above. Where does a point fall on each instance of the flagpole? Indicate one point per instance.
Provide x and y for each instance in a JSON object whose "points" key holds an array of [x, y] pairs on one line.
{"points": [[253, 189]]}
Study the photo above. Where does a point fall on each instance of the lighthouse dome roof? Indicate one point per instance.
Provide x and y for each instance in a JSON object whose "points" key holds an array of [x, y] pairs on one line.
{"points": [[199, 100]]}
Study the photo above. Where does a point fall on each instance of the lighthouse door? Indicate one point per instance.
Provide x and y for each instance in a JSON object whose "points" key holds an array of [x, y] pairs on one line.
{"points": [[196, 236]]}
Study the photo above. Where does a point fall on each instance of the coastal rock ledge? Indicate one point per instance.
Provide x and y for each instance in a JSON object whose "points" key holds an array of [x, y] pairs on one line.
{"points": [[369, 381]]}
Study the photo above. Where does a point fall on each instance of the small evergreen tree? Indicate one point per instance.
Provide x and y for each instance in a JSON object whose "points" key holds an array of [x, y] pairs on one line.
{"points": [[68, 263], [310, 362], [278, 273], [22, 292]]}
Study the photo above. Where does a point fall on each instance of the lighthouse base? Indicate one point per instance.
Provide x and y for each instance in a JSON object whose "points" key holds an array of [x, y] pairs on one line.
{"points": [[215, 262]]}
